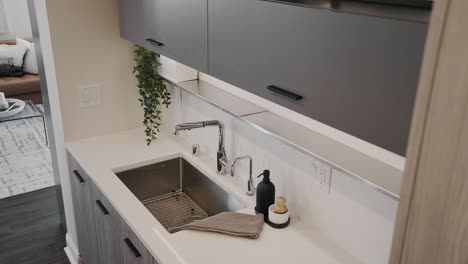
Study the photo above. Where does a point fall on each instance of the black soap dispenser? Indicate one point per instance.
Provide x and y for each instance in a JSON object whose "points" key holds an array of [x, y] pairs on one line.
{"points": [[265, 194]]}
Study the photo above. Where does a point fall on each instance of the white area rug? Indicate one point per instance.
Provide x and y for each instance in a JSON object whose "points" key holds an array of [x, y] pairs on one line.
{"points": [[25, 163]]}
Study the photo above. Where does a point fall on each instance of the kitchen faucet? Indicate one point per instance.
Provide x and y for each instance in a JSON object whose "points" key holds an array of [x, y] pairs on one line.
{"points": [[221, 158]]}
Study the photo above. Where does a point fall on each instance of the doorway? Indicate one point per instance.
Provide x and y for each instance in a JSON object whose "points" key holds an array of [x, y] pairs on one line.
{"points": [[25, 160], [43, 130]]}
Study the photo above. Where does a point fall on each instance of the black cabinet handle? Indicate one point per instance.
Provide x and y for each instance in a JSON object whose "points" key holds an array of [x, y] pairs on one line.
{"points": [[284, 92], [78, 176], [154, 42], [102, 207], [132, 247]]}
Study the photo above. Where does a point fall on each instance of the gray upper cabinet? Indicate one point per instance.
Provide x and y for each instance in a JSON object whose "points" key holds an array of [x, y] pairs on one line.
{"points": [[352, 72], [356, 73], [131, 21], [178, 29]]}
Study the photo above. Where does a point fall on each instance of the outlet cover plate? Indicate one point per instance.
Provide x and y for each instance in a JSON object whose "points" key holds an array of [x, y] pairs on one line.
{"points": [[90, 95], [323, 176]]}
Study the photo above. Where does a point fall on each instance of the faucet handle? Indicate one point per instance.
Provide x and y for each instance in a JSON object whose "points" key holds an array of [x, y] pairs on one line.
{"points": [[231, 166], [251, 187]]}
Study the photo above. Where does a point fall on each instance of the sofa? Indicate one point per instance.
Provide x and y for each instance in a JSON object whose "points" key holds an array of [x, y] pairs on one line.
{"points": [[25, 88]]}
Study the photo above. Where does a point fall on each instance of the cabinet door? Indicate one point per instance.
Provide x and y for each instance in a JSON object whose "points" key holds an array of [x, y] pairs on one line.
{"points": [[355, 73], [106, 222], [178, 29], [84, 215], [132, 250], [131, 20]]}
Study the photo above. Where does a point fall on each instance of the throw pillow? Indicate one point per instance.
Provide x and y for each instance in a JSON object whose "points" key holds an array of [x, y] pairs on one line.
{"points": [[12, 55], [30, 61], [10, 70]]}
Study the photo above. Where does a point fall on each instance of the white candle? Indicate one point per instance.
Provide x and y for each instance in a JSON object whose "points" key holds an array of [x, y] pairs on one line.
{"points": [[3, 102]]}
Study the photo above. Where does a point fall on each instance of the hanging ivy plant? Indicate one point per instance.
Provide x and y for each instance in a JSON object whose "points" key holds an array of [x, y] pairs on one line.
{"points": [[153, 90]]}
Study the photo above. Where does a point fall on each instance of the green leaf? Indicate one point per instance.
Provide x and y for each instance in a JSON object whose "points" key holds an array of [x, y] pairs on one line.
{"points": [[152, 89]]}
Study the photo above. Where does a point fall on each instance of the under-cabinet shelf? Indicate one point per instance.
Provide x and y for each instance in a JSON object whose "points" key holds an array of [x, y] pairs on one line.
{"points": [[375, 174]]}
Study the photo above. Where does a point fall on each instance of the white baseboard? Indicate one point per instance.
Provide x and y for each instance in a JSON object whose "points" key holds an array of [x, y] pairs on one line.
{"points": [[71, 250]]}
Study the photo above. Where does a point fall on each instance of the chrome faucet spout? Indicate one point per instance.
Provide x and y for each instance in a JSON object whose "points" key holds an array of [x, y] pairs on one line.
{"points": [[221, 154], [187, 126]]}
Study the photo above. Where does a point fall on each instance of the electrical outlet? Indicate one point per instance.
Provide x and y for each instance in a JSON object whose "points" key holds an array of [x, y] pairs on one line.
{"points": [[323, 175], [90, 95]]}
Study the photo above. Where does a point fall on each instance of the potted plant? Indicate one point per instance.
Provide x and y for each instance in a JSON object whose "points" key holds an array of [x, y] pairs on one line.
{"points": [[153, 90]]}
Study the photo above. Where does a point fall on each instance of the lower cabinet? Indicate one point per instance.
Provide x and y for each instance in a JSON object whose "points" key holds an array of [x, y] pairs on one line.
{"points": [[103, 236], [131, 248], [106, 220], [84, 217]]}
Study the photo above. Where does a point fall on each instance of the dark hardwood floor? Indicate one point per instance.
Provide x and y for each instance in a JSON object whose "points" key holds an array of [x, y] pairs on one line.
{"points": [[30, 231]]}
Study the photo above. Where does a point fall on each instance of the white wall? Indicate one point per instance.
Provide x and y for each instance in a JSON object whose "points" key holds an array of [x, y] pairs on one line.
{"points": [[17, 15], [87, 49], [3, 21], [353, 217]]}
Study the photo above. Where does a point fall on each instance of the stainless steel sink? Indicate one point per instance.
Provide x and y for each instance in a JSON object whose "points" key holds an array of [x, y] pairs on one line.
{"points": [[177, 193]]}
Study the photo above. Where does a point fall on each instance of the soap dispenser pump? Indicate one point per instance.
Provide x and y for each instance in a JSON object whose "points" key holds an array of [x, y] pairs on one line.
{"points": [[265, 194]]}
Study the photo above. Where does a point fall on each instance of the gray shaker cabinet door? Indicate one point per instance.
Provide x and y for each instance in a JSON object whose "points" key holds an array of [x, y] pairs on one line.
{"points": [[106, 221], [355, 73], [131, 21], [178, 29], [81, 196]]}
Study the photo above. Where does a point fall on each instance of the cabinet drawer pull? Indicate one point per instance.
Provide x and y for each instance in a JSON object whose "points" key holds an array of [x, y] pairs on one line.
{"points": [[132, 247], [78, 176], [284, 92], [102, 207], [154, 42]]}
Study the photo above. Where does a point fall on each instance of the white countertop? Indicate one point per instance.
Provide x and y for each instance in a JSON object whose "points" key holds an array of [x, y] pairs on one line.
{"points": [[101, 156]]}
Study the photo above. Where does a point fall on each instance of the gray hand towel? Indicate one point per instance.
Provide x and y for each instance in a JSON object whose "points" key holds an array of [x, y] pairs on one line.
{"points": [[229, 223]]}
